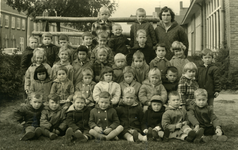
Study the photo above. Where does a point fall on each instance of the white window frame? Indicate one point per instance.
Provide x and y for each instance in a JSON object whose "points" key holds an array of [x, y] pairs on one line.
{"points": [[6, 22], [13, 22], [23, 24], [18, 23], [22, 43]]}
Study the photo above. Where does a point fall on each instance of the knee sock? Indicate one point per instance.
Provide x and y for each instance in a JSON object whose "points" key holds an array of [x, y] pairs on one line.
{"points": [[95, 134], [161, 134], [114, 132], [128, 137], [142, 138]]}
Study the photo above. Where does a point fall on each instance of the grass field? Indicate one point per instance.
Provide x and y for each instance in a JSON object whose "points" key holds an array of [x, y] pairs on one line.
{"points": [[10, 133]]}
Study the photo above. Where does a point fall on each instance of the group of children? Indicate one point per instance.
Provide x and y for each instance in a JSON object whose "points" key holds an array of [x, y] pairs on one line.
{"points": [[110, 91]]}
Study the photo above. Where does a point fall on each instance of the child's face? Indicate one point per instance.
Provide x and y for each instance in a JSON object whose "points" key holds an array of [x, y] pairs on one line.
{"points": [[79, 104], [154, 79], [128, 99], [87, 79], [171, 76], [63, 43], [41, 76], [46, 40], [141, 38], [178, 52], [207, 59], [53, 105], [128, 77], [103, 103], [117, 30], [160, 52], [102, 56], [138, 62], [120, 63], [36, 103], [82, 55], [39, 58], [108, 77], [201, 101], [102, 41], [140, 16], [61, 75], [87, 40], [190, 73], [156, 106], [33, 43], [104, 15], [174, 101], [64, 56]]}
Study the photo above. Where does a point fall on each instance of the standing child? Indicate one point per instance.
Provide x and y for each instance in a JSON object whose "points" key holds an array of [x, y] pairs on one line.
{"points": [[179, 59], [51, 50], [87, 41], [104, 122], [106, 84], [64, 56], [160, 61], [77, 120], [150, 87], [151, 123], [63, 87], [130, 115], [29, 116], [38, 58], [81, 63], [171, 82], [120, 63], [86, 86], [208, 76], [118, 42], [174, 121], [52, 120], [203, 118], [41, 83], [187, 84], [140, 66]]}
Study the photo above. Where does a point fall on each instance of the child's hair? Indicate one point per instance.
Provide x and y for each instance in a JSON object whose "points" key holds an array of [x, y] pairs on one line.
{"points": [[38, 51], [173, 93], [154, 71], [172, 69], [129, 69], [119, 56], [40, 69], [104, 9], [160, 45], [62, 68], [140, 10], [129, 90], [54, 97], [104, 94], [33, 37], [116, 25], [63, 37], [140, 31], [200, 92], [190, 66], [176, 45], [87, 72], [47, 35], [35, 95], [82, 48], [64, 49], [101, 49], [102, 34], [138, 55], [207, 52], [78, 95], [166, 9], [86, 34], [105, 70]]}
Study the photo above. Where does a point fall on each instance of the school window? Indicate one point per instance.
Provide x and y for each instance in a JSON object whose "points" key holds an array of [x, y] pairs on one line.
{"points": [[13, 41], [13, 22], [6, 21], [22, 43], [18, 23], [23, 24]]}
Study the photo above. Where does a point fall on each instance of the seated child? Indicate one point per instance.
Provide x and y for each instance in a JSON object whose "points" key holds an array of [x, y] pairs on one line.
{"points": [[120, 63], [106, 84], [130, 115], [38, 58], [150, 87], [118, 42], [41, 83], [100, 62], [86, 86], [202, 117], [174, 121], [81, 62], [29, 116], [160, 61], [52, 121], [179, 59], [63, 87], [151, 123], [104, 122], [87, 41], [171, 82], [77, 120], [64, 56], [187, 84], [140, 66]]}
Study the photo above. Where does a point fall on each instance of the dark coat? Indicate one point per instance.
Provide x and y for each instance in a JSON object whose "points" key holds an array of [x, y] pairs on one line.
{"points": [[51, 53], [26, 59], [170, 86], [118, 44]]}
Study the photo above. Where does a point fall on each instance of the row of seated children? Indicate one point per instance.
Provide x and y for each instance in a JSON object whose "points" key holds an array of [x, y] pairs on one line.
{"points": [[126, 121]]}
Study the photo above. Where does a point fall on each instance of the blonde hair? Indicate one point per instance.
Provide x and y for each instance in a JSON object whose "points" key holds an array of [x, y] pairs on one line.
{"points": [[64, 49], [154, 71], [200, 92], [140, 10], [40, 51], [190, 66], [78, 95], [33, 37], [140, 31], [139, 55], [104, 9], [176, 45], [129, 90], [101, 49], [119, 56], [116, 25]]}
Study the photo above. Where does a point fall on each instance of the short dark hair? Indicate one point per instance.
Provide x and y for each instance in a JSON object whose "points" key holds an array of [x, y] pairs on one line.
{"points": [[173, 93], [86, 34], [207, 51], [63, 37], [166, 9], [105, 70], [62, 68], [82, 48], [172, 69], [40, 69], [36, 95], [54, 97], [104, 94]]}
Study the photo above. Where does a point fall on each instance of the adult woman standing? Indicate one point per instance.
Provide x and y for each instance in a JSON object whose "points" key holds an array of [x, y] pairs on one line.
{"points": [[168, 31]]}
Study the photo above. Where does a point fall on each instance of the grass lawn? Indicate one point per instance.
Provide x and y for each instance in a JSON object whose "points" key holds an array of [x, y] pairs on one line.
{"points": [[10, 133]]}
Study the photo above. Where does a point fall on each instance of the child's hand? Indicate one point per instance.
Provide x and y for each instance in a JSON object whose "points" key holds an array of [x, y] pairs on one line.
{"points": [[107, 131], [178, 125], [196, 128], [157, 128], [145, 131], [216, 94], [57, 132], [98, 129], [218, 130]]}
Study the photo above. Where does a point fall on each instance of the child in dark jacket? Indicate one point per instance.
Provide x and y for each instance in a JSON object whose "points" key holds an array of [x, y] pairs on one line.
{"points": [[29, 116], [52, 120], [151, 123], [130, 115], [104, 122], [88, 42], [77, 120]]}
